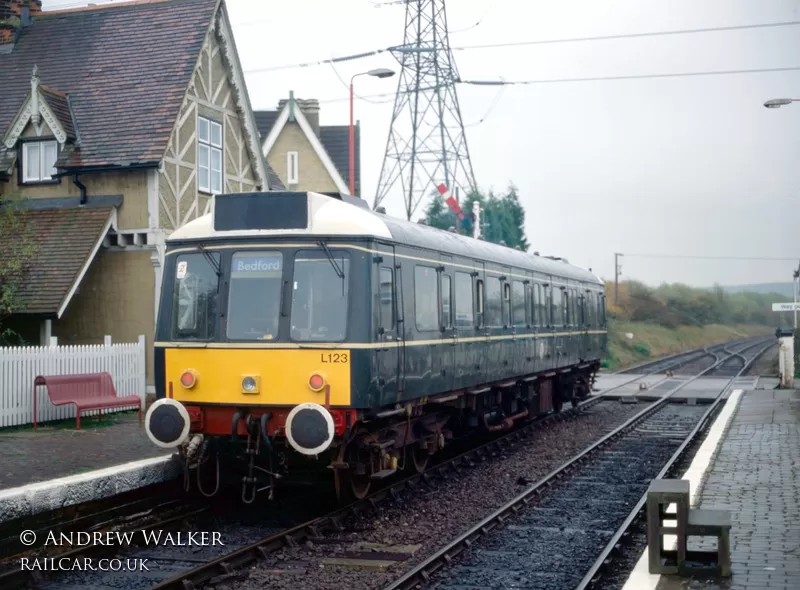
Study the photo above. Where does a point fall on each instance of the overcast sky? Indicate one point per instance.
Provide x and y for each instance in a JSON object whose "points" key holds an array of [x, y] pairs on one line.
{"points": [[692, 166]]}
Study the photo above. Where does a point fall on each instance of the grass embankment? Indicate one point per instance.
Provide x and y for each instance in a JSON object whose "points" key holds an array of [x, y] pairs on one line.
{"points": [[651, 341]]}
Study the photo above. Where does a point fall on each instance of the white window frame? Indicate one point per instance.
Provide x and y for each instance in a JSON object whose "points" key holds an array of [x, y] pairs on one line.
{"points": [[211, 147], [292, 168], [44, 175]]}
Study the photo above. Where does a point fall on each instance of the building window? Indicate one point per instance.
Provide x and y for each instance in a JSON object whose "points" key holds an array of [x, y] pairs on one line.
{"points": [[209, 156], [292, 168], [38, 160]]}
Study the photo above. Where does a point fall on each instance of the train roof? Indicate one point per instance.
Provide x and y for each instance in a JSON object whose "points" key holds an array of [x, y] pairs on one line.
{"points": [[334, 215]]}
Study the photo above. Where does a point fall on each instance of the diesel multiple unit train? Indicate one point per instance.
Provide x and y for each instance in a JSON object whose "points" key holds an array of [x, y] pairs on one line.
{"points": [[299, 328]]}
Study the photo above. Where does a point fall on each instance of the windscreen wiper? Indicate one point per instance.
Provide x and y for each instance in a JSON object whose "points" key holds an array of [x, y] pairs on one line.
{"points": [[331, 259], [214, 264]]}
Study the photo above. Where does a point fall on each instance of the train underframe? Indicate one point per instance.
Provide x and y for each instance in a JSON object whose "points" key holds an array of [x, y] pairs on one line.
{"points": [[250, 446]]}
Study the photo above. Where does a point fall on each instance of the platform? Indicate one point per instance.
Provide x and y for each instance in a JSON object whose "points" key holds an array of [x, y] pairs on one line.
{"points": [[748, 464], [701, 389], [57, 465]]}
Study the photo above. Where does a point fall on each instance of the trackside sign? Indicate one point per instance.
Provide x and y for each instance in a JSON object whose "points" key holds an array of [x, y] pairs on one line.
{"points": [[786, 306]]}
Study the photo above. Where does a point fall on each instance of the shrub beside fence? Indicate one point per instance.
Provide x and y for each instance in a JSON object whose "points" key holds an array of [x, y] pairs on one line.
{"points": [[19, 366]]}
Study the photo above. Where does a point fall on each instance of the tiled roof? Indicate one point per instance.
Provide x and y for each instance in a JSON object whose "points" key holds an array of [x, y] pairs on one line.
{"points": [[64, 240], [335, 139], [59, 103], [124, 67]]}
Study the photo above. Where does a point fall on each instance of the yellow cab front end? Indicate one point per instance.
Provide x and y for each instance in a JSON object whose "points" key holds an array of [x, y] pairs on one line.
{"points": [[252, 339]]}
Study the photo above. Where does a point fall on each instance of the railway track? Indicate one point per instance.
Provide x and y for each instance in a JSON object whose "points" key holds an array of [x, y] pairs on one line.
{"points": [[582, 505], [240, 553]]}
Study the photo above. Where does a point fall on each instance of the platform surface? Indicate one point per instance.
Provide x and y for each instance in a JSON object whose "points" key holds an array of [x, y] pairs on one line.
{"points": [[30, 456], [756, 475]]}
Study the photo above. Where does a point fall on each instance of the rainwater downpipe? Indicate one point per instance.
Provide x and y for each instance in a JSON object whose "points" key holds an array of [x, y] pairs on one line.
{"points": [[81, 187]]}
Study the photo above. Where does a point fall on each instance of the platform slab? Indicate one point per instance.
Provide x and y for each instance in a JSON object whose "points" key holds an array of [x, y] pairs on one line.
{"points": [[754, 474], [57, 466]]}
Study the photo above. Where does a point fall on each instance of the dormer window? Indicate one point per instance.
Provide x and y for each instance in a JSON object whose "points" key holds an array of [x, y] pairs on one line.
{"points": [[38, 161]]}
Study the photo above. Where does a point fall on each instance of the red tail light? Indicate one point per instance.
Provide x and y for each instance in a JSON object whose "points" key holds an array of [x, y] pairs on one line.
{"points": [[188, 378], [316, 382]]}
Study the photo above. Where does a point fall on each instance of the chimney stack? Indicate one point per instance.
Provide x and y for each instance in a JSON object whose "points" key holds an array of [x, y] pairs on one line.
{"points": [[310, 109], [15, 15]]}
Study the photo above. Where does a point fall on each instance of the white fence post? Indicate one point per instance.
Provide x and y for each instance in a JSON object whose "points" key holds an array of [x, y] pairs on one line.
{"points": [[19, 366]]}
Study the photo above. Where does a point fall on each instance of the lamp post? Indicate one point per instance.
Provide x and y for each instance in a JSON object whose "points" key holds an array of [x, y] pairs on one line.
{"points": [[378, 73], [776, 103]]}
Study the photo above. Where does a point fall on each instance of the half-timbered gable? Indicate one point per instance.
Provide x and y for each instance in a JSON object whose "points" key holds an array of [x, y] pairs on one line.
{"points": [[118, 122], [214, 146]]}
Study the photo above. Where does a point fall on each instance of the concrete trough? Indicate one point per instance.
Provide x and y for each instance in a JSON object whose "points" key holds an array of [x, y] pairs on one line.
{"points": [[55, 494]]}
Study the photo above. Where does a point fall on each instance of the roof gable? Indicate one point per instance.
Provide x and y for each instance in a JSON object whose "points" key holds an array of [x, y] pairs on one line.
{"points": [[125, 69], [319, 149], [42, 105], [334, 138]]}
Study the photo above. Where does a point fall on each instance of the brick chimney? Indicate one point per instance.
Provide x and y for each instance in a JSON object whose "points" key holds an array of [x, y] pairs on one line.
{"points": [[15, 15], [309, 107]]}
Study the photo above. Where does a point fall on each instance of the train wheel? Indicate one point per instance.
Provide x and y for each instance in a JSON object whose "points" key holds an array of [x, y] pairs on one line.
{"points": [[358, 479]]}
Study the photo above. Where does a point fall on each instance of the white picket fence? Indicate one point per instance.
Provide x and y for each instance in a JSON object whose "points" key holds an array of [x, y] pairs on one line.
{"points": [[19, 366]]}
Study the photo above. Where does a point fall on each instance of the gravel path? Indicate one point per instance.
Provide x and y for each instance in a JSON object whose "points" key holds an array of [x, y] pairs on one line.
{"points": [[433, 516], [767, 363]]}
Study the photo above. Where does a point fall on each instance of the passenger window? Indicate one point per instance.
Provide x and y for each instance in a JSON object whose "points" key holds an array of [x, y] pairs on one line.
{"points": [[518, 303], [426, 299], [386, 302], [566, 311], [548, 305], [556, 307], [603, 310], [464, 311], [494, 311], [506, 304], [480, 307], [530, 319], [447, 319]]}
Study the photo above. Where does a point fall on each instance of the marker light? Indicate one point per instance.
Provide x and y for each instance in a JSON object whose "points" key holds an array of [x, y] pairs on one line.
{"points": [[316, 382], [189, 378], [249, 385]]}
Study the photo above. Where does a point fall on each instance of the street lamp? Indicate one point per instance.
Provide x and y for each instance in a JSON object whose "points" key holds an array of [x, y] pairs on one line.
{"points": [[377, 73], [776, 103]]}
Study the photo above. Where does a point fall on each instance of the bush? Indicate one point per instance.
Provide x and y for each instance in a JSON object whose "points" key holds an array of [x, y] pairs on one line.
{"points": [[674, 305], [641, 349]]}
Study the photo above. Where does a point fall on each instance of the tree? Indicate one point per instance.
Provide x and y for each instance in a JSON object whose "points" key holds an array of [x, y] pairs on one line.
{"points": [[19, 249], [502, 217]]}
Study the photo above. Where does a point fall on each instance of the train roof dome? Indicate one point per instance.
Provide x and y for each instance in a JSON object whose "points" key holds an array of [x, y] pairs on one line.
{"points": [[284, 213]]}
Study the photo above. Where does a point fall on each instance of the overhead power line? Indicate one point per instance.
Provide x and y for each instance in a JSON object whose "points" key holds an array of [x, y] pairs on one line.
{"points": [[627, 77], [682, 256], [364, 54], [627, 36], [592, 79]]}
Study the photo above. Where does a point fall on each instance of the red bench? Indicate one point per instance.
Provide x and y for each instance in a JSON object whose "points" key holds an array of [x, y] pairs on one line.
{"points": [[93, 391]]}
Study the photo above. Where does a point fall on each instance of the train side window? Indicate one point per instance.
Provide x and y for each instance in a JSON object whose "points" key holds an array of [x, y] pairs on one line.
{"points": [[426, 300], [518, 303], [506, 304], [479, 304], [589, 309], [387, 298], [603, 310], [548, 305], [556, 307], [447, 308], [465, 314], [530, 318], [494, 303], [566, 310]]}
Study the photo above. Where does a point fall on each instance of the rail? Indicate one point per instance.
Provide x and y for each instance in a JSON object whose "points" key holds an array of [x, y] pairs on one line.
{"points": [[423, 571], [591, 578]]}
